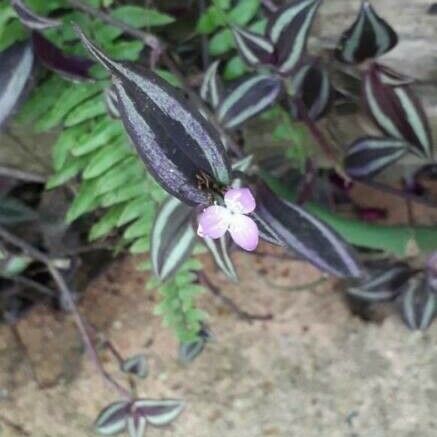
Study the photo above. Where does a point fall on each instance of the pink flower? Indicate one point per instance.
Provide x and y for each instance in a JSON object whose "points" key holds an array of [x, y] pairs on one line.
{"points": [[216, 220]]}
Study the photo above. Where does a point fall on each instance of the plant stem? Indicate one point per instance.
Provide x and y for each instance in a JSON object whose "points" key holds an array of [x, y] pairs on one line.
{"points": [[22, 280], [269, 5], [318, 136], [149, 39], [21, 175], [204, 37], [248, 317], [66, 293]]}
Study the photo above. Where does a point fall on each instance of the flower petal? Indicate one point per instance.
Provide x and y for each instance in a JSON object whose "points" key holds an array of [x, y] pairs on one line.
{"points": [[213, 222], [240, 200], [244, 232]]}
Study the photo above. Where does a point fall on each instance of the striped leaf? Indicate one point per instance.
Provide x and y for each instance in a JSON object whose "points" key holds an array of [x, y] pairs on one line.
{"points": [[136, 365], [254, 49], [313, 86], [368, 156], [306, 235], [369, 37], [266, 231], [188, 351], [288, 30], [382, 283], [111, 101], [419, 304], [16, 64], [175, 141], [159, 412], [172, 238], [136, 425], [113, 419], [211, 90], [68, 66], [248, 99], [397, 112], [431, 272], [219, 249], [32, 20]]}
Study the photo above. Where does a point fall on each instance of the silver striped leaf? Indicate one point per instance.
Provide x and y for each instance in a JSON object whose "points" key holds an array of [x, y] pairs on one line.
{"points": [[239, 168], [219, 249], [397, 112], [113, 419], [288, 30], [248, 99], [68, 66], [16, 65], [32, 20], [159, 412], [307, 236], [419, 304], [369, 36], [136, 425], [431, 272], [172, 238], [368, 156], [254, 48], [313, 86], [171, 136], [136, 365], [266, 232], [380, 284], [111, 101], [188, 352], [211, 90]]}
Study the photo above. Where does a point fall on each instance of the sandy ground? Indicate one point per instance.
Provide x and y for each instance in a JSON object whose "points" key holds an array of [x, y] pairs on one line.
{"points": [[314, 370]]}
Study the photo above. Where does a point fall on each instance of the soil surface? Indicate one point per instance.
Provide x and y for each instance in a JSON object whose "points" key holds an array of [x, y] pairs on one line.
{"points": [[314, 370]]}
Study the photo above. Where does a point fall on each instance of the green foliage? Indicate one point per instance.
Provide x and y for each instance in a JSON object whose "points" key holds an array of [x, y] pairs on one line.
{"points": [[178, 302], [139, 17], [292, 133], [214, 23], [93, 152]]}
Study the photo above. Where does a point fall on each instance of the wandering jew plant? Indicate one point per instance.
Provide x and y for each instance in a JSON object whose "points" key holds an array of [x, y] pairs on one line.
{"points": [[202, 185]]}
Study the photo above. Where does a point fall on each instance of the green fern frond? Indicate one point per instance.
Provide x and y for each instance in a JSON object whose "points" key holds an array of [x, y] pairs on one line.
{"points": [[93, 151]]}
